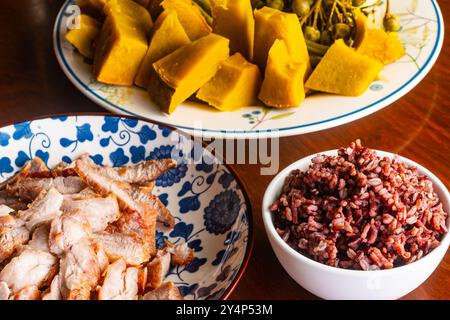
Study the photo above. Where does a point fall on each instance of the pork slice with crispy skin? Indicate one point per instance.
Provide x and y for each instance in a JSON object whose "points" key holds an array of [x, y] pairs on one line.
{"points": [[141, 173], [181, 254], [28, 293], [102, 257], [120, 282], [67, 230], [34, 165], [12, 201], [39, 240], [54, 291], [141, 194], [98, 211], [144, 226], [30, 268], [167, 291], [13, 234], [66, 172], [129, 247], [43, 210], [104, 186], [158, 268], [28, 189], [79, 271]]}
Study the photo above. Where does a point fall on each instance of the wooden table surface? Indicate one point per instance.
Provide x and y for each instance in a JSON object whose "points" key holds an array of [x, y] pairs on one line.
{"points": [[417, 126]]}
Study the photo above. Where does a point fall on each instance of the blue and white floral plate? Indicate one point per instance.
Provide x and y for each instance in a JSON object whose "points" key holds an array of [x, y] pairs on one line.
{"points": [[210, 205], [422, 35]]}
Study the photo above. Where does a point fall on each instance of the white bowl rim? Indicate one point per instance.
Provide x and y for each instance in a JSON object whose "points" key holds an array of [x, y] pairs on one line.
{"points": [[270, 228]]}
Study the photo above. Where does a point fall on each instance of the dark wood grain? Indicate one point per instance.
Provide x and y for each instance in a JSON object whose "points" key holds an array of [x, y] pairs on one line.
{"points": [[417, 126]]}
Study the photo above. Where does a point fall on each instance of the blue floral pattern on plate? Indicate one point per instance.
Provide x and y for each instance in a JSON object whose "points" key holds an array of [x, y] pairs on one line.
{"points": [[209, 206]]}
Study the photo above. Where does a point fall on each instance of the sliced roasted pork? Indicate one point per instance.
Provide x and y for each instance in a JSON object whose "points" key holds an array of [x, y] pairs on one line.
{"points": [[28, 293], [141, 173], [12, 201], [102, 257], [167, 291], [67, 230], [43, 210], [120, 282], [4, 291], [181, 254], [28, 189], [30, 268], [13, 234], [54, 291], [142, 195], [129, 247], [98, 211], [105, 185], [79, 271], [34, 165], [133, 222], [39, 240], [61, 172], [158, 268]]}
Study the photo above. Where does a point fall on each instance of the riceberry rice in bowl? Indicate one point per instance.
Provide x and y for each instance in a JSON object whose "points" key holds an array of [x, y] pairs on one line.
{"points": [[355, 223]]}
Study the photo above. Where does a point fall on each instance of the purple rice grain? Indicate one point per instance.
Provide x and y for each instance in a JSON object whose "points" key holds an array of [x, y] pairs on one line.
{"points": [[359, 211]]}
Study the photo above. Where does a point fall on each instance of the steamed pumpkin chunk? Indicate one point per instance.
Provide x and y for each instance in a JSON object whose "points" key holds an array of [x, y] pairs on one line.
{"points": [[272, 24], [190, 17], [384, 47], [186, 70], [122, 44], [344, 71], [129, 9], [283, 81], [377, 43], [234, 20], [83, 38], [235, 85], [168, 35], [95, 8]]}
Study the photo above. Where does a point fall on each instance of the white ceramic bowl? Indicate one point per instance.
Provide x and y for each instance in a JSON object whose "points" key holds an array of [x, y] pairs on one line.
{"points": [[335, 283]]}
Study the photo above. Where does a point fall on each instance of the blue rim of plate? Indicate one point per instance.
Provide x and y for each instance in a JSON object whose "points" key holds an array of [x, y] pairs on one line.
{"points": [[249, 212], [397, 94]]}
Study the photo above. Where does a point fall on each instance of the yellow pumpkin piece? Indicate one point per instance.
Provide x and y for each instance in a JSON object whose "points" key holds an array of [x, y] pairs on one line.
{"points": [[168, 35], [283, 81], [128, 9], [377, 43], [190, 17], [234, 20], [272, 24], [187, 69], [236, 84], [344, 71], [83, 38], [120, 48]]}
